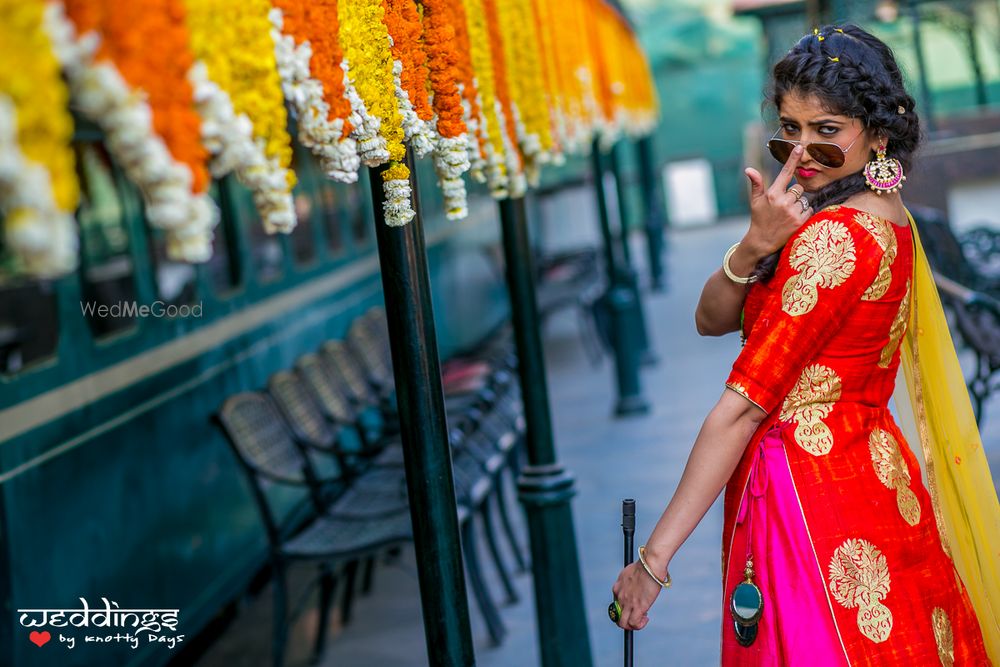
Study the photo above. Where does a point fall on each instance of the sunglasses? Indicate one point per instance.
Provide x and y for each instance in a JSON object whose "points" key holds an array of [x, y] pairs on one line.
{"points": [[826, 153], [746, 607]]}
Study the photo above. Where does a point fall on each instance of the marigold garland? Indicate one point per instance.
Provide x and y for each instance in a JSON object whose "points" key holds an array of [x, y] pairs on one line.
{"points": [[368, 58], [542, 19], [153, 97], [38, 186], [402, 20], [528, 105], [517, 182], [451, 157], [490, 128], [237, 78], [468, 90], [313, 82]]}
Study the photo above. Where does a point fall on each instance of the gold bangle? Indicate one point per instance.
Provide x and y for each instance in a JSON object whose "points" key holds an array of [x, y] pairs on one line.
{"points": [[664, 583], [729, 272]]}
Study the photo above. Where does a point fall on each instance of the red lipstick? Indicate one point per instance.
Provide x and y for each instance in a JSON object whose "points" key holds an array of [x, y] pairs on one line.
{"points": [[802, 172]]}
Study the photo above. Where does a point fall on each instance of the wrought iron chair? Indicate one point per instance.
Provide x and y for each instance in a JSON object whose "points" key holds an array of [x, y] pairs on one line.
{"points": [[312, 531], [320, 384], [502, 404]]}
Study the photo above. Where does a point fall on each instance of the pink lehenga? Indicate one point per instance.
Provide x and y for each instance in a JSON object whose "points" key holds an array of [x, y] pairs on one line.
{"points": [[828, 499]]}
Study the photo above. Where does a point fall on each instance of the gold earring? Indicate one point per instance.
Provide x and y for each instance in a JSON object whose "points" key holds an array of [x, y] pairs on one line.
{"points": [[884, 174]]}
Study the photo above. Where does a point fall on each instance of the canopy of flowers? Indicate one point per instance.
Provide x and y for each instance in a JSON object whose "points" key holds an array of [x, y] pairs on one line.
{"points": [[187, 90]]}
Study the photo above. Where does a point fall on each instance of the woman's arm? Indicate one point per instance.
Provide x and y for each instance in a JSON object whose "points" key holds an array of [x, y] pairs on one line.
{"points": [[775, 214], [721, 301], [717, 450]]}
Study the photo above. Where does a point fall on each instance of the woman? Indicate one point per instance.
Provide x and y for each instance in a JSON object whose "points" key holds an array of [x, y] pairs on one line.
{"points": [[832, 553]]}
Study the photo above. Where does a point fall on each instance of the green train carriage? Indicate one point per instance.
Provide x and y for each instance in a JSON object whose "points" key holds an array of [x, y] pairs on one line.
{"points": [[113, 481]]}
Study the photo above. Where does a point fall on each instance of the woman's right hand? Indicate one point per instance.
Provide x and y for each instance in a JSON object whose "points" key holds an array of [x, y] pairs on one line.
{"points": [[775, 212]]}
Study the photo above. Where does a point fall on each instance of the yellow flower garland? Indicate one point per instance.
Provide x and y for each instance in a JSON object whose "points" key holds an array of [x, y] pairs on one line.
{"points": [[232, 40], [522, 69], [38, 186], [491, 128], [365, 40]]}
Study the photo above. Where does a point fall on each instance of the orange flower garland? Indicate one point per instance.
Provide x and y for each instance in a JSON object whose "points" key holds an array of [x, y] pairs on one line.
{"points": [[542, 20], [402, 20], [488, 126], [134, 35], [515, 165], [308, 55], [153, 136], [469, 91], [451, 157]]}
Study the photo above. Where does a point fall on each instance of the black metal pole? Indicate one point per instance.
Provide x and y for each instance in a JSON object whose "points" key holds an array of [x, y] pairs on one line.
{"points": [[628, 530], [630, 276], [544, 486], [426, 453], [622, 308], [656, 219]]}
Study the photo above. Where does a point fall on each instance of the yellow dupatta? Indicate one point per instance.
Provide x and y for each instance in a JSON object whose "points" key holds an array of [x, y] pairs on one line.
{"points": [[935, 409]]}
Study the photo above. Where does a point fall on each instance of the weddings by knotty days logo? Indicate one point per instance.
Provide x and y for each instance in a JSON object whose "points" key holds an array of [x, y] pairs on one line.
{"points": [[110, 625]]}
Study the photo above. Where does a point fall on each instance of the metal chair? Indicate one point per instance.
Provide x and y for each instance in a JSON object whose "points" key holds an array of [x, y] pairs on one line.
{"points": [[268, 454], [377, 489]]}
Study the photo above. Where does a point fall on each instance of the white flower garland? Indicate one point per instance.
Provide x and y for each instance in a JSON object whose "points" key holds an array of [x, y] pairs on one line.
{"points": [[397, 202], [338, 155], [229, 139], [372, 147], [517, 185], [451, 160], [496, 167], [41, 237], [418, 133], [475, 124], [103, 95]]}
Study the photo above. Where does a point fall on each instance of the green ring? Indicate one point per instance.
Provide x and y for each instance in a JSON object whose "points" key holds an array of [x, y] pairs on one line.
{"points": [[615, 611]]}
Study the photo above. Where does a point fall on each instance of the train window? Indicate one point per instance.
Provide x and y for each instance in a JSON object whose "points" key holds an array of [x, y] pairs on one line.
{"points": [[29, 320], [354, 204], [332, 215], [303, 237], [266, 249], [106, 266], [222, 267]]}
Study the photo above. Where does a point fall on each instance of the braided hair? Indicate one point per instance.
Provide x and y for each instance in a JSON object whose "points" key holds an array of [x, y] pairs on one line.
{"points": [[852, 73]]}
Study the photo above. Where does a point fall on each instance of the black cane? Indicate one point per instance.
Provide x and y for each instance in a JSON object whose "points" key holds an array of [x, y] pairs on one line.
{"points": [[628, 530]]}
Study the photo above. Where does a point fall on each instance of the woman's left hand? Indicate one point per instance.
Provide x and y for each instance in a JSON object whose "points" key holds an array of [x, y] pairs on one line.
{"points": [[636, 592]]}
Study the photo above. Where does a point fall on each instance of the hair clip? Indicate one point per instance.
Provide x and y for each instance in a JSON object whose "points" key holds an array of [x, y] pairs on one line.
{"points": [[901, 109], [820, 37], [815, 31], [838, 30], [835, 59]]}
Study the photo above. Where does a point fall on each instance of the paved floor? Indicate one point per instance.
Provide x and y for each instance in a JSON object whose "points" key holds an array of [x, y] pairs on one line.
{"points": [[612, 459]]}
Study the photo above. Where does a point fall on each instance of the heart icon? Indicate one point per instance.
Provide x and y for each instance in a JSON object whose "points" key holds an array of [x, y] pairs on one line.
{"points": [[39, 638]]}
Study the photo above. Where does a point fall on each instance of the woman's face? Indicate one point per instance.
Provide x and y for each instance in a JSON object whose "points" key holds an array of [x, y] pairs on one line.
{"points": [[803, 118]]}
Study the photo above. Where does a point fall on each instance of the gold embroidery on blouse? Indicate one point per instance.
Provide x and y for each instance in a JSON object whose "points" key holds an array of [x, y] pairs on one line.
{"points": [[943, 637], [739, 389], [808, 403], [824, 257], [897, 329], [885, 237], [859, 577], [893, 473]]}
